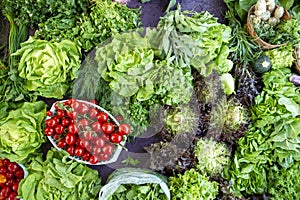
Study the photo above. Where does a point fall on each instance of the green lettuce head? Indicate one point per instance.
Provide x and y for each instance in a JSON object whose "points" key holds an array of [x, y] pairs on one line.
{"points": [[21, 133], [48, 67]]}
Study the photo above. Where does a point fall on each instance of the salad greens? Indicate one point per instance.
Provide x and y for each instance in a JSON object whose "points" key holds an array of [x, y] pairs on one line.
{"points": [[56, 177], [48, 67], [135, 184], [104, 19], [21, 131], [192, 185]]}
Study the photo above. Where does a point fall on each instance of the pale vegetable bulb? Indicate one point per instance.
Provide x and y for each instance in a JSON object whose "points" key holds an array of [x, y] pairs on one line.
{"points": [[278, 13], [261, 6]]}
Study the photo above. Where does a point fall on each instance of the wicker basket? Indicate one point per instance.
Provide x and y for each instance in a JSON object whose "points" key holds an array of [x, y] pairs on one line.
{"points": [[251, 31], [296, 66]]}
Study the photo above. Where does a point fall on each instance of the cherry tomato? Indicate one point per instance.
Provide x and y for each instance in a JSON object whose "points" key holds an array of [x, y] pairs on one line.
{"points": [[108, 128], [83, 123], [49, 113], [51, 122], [71, 101], [108, 149], [10, 182], [3, 178], [79, 142], [59, 129], [73, 129], [62, 143], [5, 190], [94, 101], [60, 113], [15, 186], [88, 135], [93, 113], [93, 159], [70, 139], [56, 137], [124, 129], [116, 138], [65, 122], [49, 131], [86, 156], [96, 126], [102, 117], [72, 114], [9, 174], [20, 173], [56, 119], [13, 195], [100, 142], [96, 151], [103, 157], [75, 105], [3, 169], [71, 150], [79, 151], [84, 108], [13, 167], [5, 161]]}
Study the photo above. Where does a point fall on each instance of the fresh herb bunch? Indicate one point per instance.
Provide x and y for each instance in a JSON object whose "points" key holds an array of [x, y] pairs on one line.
{"points": [[284, 182], [192, 185], [212, 156], [31, 12], [88, 29]]}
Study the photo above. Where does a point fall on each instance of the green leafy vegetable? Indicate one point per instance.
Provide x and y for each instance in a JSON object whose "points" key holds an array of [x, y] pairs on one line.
{"points": [[135, 184], [48, 67], [56, 177], [130, 161], [21, 132], [212, 156], [192, 185]]}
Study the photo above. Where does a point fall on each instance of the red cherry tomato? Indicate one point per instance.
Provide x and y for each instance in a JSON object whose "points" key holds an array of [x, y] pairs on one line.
{"points": [[3, 169], [59, 129], [13, 195], [103, 157], [51, 122], [79, 151], [20, 173], [10, 182], [84, 108], [9, 174], [65, 122], [60, 113], [71, 101], [62, 143], [49, 131], [13, 167], [93, 113], [102, 117], [124, 129], [72, 114], [100, 142], [5, 161], [108, 149], [108, 128], [93, 159], [70, 139], [71, 150], [96, 126], [119, 117], [86, 156], [116, 138], [75, 105], [49, 113], [15, 186], [83, 123], [97, 150], [73, 129], [5, 190]]}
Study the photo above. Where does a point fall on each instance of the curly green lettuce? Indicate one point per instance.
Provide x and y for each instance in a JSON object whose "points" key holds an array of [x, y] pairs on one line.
{"points": [[21, 133], [48, 67], [192, 185]]}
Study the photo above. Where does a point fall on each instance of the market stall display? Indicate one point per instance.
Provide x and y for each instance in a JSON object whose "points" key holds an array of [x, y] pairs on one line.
{"points": [[151, 99]]}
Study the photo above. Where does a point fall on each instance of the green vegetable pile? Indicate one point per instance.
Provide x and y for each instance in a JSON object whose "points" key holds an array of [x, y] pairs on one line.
{"points": [[21, 131], [59, 178]]}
